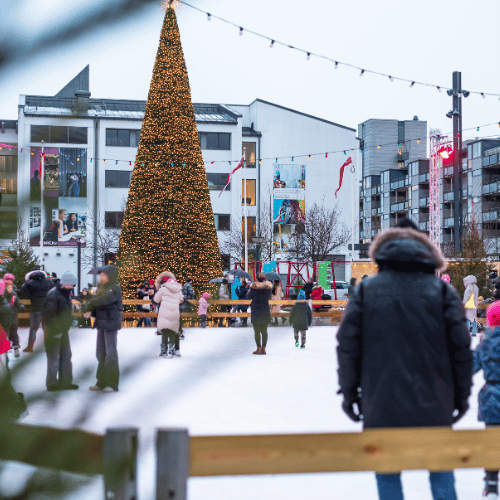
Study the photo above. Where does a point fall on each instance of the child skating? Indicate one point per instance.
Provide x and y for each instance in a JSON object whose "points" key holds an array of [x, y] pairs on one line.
{"points": [[300, 319], [486, 358], [202, 309]]}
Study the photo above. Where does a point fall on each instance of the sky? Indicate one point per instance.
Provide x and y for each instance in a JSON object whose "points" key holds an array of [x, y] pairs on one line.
{"points": [[424, 41]]}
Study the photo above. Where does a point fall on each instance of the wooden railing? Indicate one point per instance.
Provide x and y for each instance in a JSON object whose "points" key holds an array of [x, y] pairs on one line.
{"points": [[180, 456]]}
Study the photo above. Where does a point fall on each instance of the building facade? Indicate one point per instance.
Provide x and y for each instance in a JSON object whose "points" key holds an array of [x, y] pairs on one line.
{"points": [[86, 148]]}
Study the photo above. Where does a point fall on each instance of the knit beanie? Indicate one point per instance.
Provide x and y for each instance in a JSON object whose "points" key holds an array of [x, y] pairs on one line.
{"points": [[9, 277], [68, 279], [446, 278], [206, 295], [493, 314], [301, 295]]}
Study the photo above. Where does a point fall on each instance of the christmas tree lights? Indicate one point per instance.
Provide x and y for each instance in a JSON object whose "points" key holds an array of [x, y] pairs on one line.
{"points": [[169, 222]]}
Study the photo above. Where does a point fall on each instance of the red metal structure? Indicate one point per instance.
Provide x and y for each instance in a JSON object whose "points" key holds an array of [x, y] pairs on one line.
{"points": [[254, 268]]}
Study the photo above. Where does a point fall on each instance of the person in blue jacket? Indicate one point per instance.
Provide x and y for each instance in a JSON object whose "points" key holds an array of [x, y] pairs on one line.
{"points": [[487, 358]]}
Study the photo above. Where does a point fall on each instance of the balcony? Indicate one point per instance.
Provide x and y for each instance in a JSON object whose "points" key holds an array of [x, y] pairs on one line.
{"points": [[376, 211], [423, 226], [423, 202], [492, 187], [448, 196], [490, 216], [449, 222], [399, 184], [399, 207], [423, 178]]}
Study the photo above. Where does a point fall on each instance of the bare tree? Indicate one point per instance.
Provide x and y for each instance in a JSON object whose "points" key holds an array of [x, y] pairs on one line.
{"points": [[99, 242], [320, 236]]}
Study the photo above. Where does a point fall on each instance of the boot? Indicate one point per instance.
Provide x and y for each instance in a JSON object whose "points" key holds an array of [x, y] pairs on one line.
{"points": [[263, 350], [258, 351], [29, 348], [163, 349]]}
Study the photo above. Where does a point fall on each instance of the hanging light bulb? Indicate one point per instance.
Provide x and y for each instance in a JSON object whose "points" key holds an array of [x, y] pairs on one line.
{"points": [[292, 158], [326, 155], [308, 56], [241, 31], [309, 156], [272, 44], [378, 147], [209, 16]]}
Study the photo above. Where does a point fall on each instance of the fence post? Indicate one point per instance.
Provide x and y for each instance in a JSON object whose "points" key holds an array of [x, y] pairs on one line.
{"points": [[120, 464], [172, 464]]}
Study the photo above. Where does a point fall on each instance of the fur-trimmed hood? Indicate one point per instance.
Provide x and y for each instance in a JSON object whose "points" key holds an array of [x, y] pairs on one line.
{"points": [[262, 285], [406, 248], [164, 274]]}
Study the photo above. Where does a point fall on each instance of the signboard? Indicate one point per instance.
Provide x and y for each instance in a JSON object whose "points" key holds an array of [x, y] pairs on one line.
{"points": [[64, 196]]}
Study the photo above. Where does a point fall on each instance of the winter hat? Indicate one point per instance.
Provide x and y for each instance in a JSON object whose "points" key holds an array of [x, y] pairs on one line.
{"points": [[446, 278], [68, 279], [206, 295], [2, 287], [151, 282], [9, 277], [301, 295], [493, 314]]}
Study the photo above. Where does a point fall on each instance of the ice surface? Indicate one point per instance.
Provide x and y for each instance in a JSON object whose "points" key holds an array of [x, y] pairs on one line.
{"points": [[218, 387]]}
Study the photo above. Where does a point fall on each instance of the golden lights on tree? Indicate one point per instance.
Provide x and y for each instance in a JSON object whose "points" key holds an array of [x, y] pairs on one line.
{"points": [[168, 223]]}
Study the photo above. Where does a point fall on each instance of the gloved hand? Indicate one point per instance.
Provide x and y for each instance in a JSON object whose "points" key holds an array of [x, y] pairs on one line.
{"points": [[348, 407], [460, 411]]}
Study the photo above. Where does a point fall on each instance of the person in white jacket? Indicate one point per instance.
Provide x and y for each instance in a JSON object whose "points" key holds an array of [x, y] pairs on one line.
{"points": [[471, 295], [168, 297]]}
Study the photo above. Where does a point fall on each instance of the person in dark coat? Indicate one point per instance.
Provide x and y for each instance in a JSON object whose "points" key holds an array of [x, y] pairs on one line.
{"points": [[487, 358], [301, 319], [57, 319], [308, 288], [35, 289], [142, 294], [403, 347], [350, 288], [241, 293], [260, 295], [107, 308]]}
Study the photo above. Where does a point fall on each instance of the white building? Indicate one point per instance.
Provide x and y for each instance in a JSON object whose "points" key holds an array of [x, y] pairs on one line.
{"points": [[89, 148]]}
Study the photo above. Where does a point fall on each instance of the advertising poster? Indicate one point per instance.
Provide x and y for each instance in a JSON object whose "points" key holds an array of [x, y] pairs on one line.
{"points": [[64, 196], [289, 189]]}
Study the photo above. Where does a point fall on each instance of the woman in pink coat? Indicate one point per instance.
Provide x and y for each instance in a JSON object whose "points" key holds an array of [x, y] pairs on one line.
{"points": [[202, 309], [168, 297]]}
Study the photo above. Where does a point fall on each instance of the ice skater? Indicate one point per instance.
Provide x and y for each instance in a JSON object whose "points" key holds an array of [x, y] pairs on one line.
{"points": [[486, 359], [470, 299], [300, 318], [13, 300], [203, 308]]}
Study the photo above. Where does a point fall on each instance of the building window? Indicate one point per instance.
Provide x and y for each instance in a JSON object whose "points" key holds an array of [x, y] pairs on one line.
{"points": [[249, 154], [214, 140], [251, 227], [117, 178], [122, 138], [225, 260], [250, 192], [113, 220], [58, 134], [222, 222], [216, 182], [8, 225], [8, 180]]}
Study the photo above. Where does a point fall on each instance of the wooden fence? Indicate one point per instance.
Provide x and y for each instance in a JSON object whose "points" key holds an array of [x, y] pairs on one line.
{"points": [[180, 456]]}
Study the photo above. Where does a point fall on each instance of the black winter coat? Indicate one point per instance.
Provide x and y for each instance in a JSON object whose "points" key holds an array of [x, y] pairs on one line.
{"points": [[57, 311], [260, 294], [308, 288], [300, 316], [403, 339], [107, 307], [6, 314], [35, 289]]}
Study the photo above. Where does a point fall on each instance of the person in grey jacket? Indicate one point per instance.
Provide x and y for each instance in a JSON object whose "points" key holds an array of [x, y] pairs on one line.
{"points": [[471, 295], [107, 308]]}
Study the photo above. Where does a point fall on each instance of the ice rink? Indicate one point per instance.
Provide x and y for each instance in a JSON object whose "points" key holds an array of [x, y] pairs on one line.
{"points": [[217, 387]]}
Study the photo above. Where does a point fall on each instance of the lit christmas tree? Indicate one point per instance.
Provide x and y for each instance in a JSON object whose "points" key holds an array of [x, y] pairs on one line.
{"points": [[168, 223]]}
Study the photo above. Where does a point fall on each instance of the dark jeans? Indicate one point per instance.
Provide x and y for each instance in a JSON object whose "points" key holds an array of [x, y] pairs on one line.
{"points": [[224, 309], [442, 486], [203, 319], [13, 335], [491, 477], [108, 373], [170, 337], [58, 353], [35, 320], [260, 329]]}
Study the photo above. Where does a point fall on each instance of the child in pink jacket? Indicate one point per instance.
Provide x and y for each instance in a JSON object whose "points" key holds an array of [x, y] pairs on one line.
{"points": [[202, 309]]}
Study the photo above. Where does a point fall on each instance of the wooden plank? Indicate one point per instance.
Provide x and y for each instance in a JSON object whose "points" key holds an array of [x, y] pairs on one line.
{"points": [[379, 450], [70, 450]]}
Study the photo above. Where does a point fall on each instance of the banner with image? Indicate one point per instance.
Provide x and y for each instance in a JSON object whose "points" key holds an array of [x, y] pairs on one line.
{"points": [[64, 196]]}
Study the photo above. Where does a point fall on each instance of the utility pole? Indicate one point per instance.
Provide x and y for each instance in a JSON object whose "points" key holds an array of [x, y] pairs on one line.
{"points": [[456, 114]]}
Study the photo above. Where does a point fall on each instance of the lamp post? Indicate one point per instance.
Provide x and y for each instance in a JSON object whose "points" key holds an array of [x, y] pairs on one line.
{"points": [[258, 240]]}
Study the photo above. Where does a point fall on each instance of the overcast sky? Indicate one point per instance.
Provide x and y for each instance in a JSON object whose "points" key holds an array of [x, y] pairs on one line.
{"points": [[424, 41]]}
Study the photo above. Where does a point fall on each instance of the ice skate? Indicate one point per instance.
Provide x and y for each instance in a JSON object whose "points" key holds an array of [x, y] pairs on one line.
{"points": [[490, 496], [296, 344], [303, 346], [16, 351], [170, 351], [163, 350], [181, 334], [177, 353]]}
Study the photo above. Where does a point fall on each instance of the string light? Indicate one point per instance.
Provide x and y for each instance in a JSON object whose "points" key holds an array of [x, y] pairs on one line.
{"points": [[378, 147], [309, 156], [292, 158], [209, 17], [326, 155], [308, 56], [362, 72], [272, 44], [241, 30]]}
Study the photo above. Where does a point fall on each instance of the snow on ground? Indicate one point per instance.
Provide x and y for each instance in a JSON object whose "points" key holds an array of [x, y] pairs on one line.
{"points": [[218, 387]]}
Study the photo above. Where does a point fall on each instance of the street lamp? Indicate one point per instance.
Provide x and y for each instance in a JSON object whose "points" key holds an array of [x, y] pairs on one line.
{"points": [[258, 240]]}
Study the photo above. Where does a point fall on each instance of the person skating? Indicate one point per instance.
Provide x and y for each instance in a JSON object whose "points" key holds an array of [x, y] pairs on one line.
{"points": [[203, 308], [57, 319], [168, 297], [486, 358], [301, 319], [260, 294], [35, 289], [403, 348], [471, 295], [224, 294], [317, 294], [188, 294], [12, 299], [107, 309], [277, 294], [308, 288], [241, 293]]}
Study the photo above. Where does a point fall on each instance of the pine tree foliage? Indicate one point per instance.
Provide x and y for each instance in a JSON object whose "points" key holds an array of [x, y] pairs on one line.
{"points": [[168, 222]]}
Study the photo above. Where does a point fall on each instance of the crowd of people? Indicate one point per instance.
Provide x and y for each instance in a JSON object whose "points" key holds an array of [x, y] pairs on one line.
{"points": [[404, 343]]}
